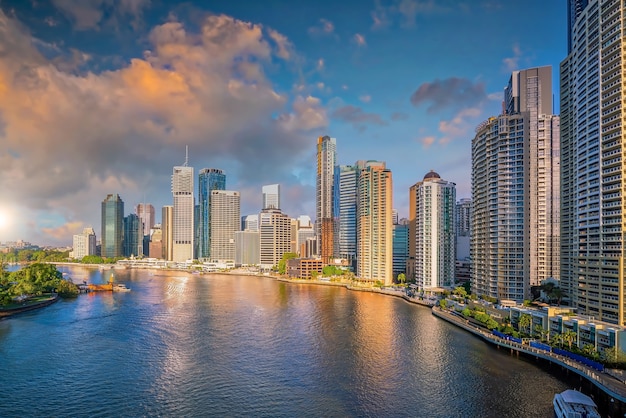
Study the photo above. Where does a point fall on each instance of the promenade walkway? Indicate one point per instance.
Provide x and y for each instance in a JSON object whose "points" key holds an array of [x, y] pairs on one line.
{"points": [[611, 385]]}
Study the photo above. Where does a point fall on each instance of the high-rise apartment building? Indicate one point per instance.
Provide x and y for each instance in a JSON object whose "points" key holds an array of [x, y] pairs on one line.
{"points": [[515, 189], [432, 203], [84, 244], [326, 160], [167, 223], [271, 196], [305, 231], [145, 211], [133, 236], [462, 228], [112, 226], [225, 221], [400, 246], [183, 226], [374, 223], [209, 179], [155, 247], [593, 88], [345, 193], [274, 235]]}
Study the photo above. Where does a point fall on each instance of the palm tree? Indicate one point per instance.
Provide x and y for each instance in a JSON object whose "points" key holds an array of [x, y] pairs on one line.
{"points": [[558, 340], [569, 337], [525, 321], [539, 330]]}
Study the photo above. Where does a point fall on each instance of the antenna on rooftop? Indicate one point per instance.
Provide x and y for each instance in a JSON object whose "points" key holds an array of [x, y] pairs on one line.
{"points": [[186, 155]]}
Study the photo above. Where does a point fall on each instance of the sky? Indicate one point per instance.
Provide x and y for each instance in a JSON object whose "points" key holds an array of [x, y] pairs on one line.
{"points": [[103, 96]]}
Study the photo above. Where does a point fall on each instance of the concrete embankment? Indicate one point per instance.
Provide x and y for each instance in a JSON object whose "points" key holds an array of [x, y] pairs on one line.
{"points": [[29, 307], [605, 382]]}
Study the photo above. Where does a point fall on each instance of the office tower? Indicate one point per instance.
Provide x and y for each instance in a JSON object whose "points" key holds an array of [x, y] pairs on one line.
{"points": [[592, 163], [462, 228], [394, 216], [167, 222], [84, 244], [209, 179], [305, 231], [133, 236], [400, 247], [294, 236], [345, 205], [374, 223], [326, 159], [515, 189], [251, 223], [145, 211], [271, 196], [432, 202], [182, 227], [156, 242], [112, 226], [274, 235], [247, 248], [225, 221]]}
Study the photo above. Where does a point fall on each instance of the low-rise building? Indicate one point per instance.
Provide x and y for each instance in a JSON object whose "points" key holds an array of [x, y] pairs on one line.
{"points": [[301, 268]]}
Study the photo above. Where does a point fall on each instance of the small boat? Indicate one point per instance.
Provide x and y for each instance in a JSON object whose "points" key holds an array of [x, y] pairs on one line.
{"points": [[120, 287], [572, 403]]}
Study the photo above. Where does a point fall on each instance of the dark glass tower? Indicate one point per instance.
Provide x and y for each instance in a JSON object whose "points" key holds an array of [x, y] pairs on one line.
{"points": [[208, 179], [112, 226]]}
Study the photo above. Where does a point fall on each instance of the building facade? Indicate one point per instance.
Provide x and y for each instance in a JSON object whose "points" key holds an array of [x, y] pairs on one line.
{"points": [[462, 228], [274, 236], [400, 248], [374, 223], [247, 248], [225, 222], [326, 160], [133, 236], [593, 202], [112, 226], [271, 196], [183, 214], [84, 244], [345, 208], [145, 211], [432, 204], [209, 179], [167, 221]]}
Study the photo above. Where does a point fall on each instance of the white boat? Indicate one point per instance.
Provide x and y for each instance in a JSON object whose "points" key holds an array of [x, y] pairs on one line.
{"points": [[120, 287], [573, 404]]}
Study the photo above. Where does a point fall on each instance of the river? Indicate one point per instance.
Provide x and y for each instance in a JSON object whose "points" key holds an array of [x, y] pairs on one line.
{"points": [[223, 345]]}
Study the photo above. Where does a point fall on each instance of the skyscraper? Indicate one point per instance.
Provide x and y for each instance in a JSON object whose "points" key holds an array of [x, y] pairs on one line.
{"points": [[326, 160], [145, 211], [345, 194], [592, 145], [515, 189], [462, 228], [167, 224], [431, 232], [400, 247], [374, 223], [112, 226], [133, 236], [274, 235], [225, 221], [209, 179], [271, 196], [182, 227], [84, 244]]}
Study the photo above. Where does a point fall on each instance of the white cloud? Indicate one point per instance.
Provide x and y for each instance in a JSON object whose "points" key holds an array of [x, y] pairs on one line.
{"points": [[365, 98], [359, 39], [512, 63]]}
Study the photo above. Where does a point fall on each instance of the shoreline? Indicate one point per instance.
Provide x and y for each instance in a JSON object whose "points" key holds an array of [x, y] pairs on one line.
{"points": [[5, 313]]}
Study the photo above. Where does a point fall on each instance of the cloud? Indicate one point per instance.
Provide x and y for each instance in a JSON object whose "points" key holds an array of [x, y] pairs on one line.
{"points": [[89, 14], [512, 63], [405, 12], [450, 93], [365, 98], [357, 117], [61, 233], [70, 138], [320, 64], [359, 39], [284, 46], [395, 116], [428, 141], [459, 127], [323, 28]]}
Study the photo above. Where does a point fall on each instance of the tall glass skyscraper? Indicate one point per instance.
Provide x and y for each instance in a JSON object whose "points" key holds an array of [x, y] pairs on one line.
{"points": [[271, 196], [209, 179], [344, 210], [112, 226], [133, 236], [183, 226], [593, 88], [326, 160]]}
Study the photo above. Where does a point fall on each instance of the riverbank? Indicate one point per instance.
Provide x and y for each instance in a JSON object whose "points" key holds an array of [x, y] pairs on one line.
{"points": [[608, 384], [4, 313]]}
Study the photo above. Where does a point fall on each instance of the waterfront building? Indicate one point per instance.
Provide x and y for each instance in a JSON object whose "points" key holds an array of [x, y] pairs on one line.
{"points": [[156, 242], [167, 221], [302, 268], [345, 194], [432, 203], [593, 89], [305, 231], [112, 226], [84, 244], [145, 211], [225, 221], [374, 227], [184, 207], [133, 236], [271, 196], [326, 160], [274, 236], [462, 228], [247, 251], [515, 189], [252, 223], [209, 179], [400, 247]]}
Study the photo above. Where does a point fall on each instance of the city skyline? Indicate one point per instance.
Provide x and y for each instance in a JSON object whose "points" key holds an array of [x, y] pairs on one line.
{"points": [[389, 80]]}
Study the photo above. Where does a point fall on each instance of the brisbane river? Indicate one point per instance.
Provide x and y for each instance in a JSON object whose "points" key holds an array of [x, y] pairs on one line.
{"points": [[223, 345]]}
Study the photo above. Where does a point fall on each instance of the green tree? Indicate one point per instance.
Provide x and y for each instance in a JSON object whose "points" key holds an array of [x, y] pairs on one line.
{"points": [[282, 264], [314, 274], [402, 278], [466, 312], [557, 339], [569, 337], [491, 324], [460, 291], [524, 323], [92, 259], [590, 351], [443, 303], [543, 333]]}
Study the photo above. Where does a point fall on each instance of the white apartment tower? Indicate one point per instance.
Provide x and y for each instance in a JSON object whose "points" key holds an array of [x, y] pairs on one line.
{"points": [[225, 221], [84, 244], [183, 213], [432, 203], [274, 235], [593, 211], [515, 189]]}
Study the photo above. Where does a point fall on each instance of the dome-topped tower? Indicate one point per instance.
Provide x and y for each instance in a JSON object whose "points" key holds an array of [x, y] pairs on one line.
{"points": [[432, 175]]}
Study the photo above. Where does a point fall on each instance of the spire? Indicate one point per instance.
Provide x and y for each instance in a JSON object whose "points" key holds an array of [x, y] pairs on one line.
{"points": [[186, 156]]}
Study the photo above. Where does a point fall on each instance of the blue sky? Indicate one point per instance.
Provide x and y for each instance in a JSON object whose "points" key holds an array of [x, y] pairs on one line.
{"points": [[101, 96]]}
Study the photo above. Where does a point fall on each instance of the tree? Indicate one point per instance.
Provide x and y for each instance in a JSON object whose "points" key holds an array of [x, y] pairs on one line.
{"points": [[314, 274], [460, 291], [524, 323], [569, 337], [443, 303], [402, 278], [466, 312], [282, 264], [542, 332], [590, 351], [491, 324]]}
